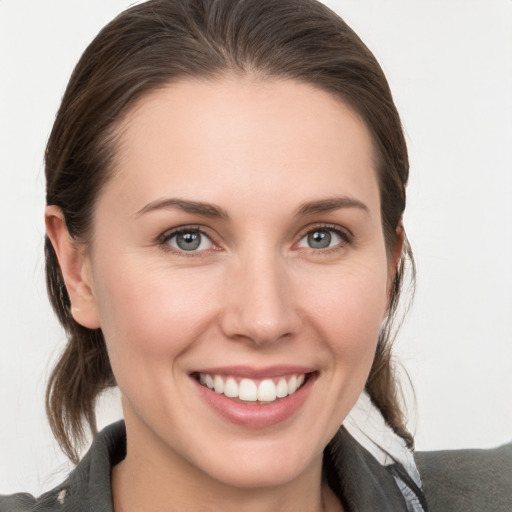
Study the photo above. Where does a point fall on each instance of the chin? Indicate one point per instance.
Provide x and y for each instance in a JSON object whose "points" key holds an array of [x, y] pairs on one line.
{"points": [[262, 474], [260, 464]]}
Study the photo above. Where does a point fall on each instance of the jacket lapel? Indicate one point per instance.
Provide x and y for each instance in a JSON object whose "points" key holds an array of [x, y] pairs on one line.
{"points": [[360, 482]]}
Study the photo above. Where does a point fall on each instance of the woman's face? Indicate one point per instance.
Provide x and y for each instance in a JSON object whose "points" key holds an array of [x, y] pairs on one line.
{"points": [[239, 245]]}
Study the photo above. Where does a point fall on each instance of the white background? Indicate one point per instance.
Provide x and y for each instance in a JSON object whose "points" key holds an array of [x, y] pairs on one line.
{"points": [[449, 64]]}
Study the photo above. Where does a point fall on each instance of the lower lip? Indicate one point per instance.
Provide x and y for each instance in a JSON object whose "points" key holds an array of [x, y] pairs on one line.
{"points": [[257, 414]]}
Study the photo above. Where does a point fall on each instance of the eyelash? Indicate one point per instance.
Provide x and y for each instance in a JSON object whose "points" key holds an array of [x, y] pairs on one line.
{"points": [[346, 236], [163, 240]]}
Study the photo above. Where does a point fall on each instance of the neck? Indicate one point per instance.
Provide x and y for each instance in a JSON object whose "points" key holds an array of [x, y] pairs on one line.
{"points": [[152, 479], [134, 494]]}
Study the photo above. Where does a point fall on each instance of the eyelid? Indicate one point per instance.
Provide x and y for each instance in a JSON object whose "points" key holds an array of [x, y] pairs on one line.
{"points": [[345, 233], [163, 239]]}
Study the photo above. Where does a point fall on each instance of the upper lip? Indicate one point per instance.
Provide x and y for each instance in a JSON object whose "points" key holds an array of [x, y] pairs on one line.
{"points": [[256, 373]]}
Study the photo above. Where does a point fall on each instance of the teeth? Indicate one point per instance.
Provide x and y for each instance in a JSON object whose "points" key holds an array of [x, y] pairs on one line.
{"points": [[248, 390], [231, 388], [282, 388], [218, 384], [267, 391], [292, 385]]}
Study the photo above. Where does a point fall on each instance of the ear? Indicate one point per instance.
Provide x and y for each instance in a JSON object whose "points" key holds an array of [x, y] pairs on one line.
{"points": [[75, 268], [394, 257]]}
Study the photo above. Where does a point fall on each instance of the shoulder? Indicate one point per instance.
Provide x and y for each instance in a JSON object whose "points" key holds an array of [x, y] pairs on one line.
{"points": [[16, 502], [87, 487], [467, 480], [24, 502]]}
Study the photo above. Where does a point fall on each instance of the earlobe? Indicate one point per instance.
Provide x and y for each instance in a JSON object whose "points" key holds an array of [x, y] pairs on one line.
{"points": [[75, 268]]}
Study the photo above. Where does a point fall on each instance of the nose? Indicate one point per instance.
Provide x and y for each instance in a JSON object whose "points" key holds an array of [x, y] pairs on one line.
{"points": [[260, 305]]}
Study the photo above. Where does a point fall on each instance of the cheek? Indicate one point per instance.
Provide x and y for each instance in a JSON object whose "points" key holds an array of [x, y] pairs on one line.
{"points": [[150, 313], [349, 307]]}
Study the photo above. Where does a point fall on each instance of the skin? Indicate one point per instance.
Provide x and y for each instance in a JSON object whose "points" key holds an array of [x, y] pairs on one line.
{"points": [[255, 294]]}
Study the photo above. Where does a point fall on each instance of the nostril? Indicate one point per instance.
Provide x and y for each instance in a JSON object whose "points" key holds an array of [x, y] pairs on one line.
{"points": [[259, 331], [260, 302]]}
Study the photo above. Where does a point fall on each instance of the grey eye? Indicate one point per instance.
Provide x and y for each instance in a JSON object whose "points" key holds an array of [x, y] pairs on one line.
{"points": [[320, 239], [190, 241]]}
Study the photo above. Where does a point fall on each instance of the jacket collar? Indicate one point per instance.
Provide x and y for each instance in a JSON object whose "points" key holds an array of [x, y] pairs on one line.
{"points": [[360, 482]]}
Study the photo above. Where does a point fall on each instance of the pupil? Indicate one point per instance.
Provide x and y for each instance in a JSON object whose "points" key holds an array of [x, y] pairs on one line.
{"points": [[188, 241], [319, 239]]}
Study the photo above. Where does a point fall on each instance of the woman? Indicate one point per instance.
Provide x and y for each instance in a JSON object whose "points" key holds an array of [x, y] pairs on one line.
{"points": [[225, 189]]}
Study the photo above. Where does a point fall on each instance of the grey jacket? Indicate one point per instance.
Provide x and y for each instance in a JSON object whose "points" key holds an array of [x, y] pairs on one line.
{"points": [[453, 481]]}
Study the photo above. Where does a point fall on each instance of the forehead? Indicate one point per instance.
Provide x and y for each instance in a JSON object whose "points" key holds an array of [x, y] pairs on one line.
{"points": [[210, 139]]}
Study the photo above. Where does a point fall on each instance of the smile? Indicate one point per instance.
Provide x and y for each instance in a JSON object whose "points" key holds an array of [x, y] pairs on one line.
{"points": [[253, 390], [255, 397]]}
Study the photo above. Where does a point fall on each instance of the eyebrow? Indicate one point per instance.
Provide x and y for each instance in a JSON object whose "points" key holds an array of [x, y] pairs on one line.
{"points": [[195, 207], [212, 211], [330, 204]]}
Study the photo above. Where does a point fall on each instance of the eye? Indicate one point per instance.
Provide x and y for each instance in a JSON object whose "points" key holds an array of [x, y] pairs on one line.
{"points": [[189, 240], [321, 238]]}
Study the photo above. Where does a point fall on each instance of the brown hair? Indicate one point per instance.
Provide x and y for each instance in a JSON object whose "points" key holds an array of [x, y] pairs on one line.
{"points": [[160, 41]]}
